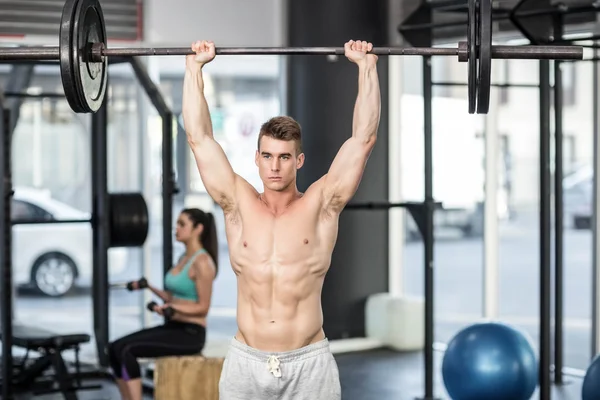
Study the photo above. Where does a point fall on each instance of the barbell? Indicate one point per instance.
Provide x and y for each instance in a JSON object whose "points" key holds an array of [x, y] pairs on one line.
{"points": [[82, 53]]}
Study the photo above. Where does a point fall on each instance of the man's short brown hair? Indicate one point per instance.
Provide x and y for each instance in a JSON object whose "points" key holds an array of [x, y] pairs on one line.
{"points": [[282, 128]]}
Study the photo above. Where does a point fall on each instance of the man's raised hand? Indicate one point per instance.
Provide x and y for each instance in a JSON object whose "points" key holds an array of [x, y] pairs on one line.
{"points": [[205, 53], [356, 51]]}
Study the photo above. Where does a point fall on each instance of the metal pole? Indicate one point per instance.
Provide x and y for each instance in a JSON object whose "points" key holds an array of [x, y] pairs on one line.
{"points": [[429, 236], [545, 243], [6, 284], [596, 213], [98, 52], [45, 95], [101, 233], [497, 85], [558, 211], [148, 189], [181, 145], [505, 52], [502, 16], [168, 185], [340, 51], [168, 175], [396, 217], [490, 214]]}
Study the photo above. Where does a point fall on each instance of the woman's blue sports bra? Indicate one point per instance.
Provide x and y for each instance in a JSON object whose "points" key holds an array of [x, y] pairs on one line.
{"points": [[180, 285]]}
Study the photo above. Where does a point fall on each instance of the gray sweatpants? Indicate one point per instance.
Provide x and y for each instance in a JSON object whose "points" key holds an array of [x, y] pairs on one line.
{"points": [[308, 373]]}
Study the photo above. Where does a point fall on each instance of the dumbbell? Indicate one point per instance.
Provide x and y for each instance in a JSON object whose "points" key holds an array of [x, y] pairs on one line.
{"points": [[141, 284], [167, 312]]}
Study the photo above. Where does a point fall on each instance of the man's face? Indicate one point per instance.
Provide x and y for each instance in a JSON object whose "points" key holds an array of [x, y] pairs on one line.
{"points": [[277, 163]]}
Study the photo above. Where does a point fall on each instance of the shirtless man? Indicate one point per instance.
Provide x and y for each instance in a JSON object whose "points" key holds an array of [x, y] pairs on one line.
{"points": [[281, 240]]}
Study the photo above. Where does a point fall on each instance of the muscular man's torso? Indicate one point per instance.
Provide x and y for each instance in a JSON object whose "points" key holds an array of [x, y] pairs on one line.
{"points": [[280, 262]]}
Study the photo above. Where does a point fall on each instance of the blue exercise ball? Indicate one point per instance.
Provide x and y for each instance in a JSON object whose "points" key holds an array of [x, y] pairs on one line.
{"points": [[591, 382], [490, 361]]}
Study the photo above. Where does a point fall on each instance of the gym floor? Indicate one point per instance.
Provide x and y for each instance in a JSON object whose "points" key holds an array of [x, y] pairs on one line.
{"points": [[385, 374], [375, 374], [109, 392]]}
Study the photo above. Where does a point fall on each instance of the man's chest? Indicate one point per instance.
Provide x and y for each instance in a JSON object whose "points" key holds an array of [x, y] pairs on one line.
{"points": [[265, 236]]}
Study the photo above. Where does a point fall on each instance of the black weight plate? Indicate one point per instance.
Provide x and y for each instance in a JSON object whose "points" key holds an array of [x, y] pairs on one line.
{"points": [[66, 63], [485, 56], [90, 77], [472, 49], [129, 222]]}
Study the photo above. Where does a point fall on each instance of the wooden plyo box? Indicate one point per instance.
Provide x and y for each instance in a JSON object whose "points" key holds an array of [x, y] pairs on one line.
{"points": [[187, 378]]}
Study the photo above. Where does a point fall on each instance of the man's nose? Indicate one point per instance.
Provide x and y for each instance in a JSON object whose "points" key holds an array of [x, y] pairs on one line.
{"points": [[275, 165]]}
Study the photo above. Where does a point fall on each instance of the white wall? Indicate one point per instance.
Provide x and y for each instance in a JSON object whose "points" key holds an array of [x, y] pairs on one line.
{"points": [[231, 23], [226, 22]]}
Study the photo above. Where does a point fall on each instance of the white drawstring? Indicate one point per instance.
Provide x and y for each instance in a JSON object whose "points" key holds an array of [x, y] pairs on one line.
{"points": [[273, 366]]}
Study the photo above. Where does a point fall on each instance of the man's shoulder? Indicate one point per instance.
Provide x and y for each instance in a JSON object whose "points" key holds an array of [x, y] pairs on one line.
{"points": [[244, 187], [242, 191], [316, 188], [320, 191], [245, 196]]}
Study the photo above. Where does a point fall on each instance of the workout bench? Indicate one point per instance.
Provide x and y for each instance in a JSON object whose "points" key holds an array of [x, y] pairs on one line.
{"points": [[32, 376]]}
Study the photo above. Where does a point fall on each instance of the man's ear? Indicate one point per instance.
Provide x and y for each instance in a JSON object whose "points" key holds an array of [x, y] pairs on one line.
{"points": [[300, 161], [256, 155]]}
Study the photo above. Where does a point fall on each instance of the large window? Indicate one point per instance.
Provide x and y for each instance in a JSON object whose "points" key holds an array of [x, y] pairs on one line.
{"points": [[459, 160], [577, 186], [126, 145], [52, 263], [519, 237], [458, 183]]}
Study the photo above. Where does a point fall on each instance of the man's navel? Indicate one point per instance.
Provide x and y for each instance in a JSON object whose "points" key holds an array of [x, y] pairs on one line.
{"points": [[245, 244], [305, 241]]}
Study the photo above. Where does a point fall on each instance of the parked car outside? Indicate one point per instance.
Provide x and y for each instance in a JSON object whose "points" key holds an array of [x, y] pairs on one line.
{"points": [[578, 195], [53, 257]]}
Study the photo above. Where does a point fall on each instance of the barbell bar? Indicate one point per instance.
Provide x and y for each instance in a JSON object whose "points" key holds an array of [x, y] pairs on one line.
{"points": [[52, 53], [501, 52], [82, 53]]}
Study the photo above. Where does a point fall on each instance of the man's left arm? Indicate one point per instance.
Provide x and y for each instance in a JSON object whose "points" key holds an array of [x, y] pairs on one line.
{"points": [[345, 173]]}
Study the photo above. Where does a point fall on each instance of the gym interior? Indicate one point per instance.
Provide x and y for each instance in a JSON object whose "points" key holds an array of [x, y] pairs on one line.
{"points": [[466, 266]]}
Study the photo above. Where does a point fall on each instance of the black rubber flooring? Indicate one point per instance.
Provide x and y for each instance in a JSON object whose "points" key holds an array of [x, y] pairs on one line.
{"points": [[384, 374], [377, 374]]}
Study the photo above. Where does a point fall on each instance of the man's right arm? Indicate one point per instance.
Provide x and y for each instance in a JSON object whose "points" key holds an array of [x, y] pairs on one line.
{"points": [[215, 170]]}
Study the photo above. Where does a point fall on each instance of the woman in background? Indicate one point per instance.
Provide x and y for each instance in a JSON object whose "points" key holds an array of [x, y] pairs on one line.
{"points": [[188, 290]]}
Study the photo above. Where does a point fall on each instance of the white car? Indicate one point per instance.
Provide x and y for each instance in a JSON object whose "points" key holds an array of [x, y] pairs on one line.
{"points": [[578, 197], [53, 257]]}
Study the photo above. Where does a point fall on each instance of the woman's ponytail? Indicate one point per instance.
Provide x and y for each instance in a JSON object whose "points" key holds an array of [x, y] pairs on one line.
{"points": [[208, 237], [210, 240]]}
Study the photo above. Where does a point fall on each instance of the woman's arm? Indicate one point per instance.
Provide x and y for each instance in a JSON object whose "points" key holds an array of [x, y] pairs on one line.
{"points": [[204, 274], [163, 294]]}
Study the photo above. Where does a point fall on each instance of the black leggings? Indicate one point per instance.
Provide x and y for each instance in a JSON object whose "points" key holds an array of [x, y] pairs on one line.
{"points": [[174, 338]]}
